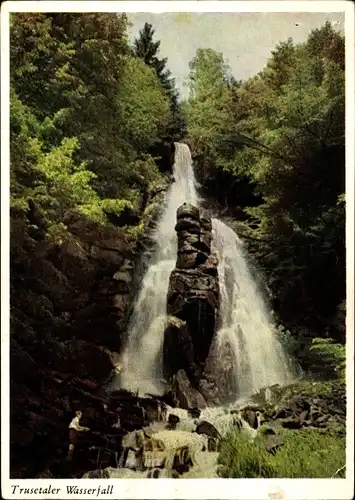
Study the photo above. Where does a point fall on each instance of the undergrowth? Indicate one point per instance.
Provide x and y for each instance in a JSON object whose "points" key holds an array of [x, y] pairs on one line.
{"points": [[306, 453]]}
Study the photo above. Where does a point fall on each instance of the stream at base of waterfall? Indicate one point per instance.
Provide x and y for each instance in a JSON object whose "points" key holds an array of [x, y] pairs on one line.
{"points": [[245, 329], [159, 445]]}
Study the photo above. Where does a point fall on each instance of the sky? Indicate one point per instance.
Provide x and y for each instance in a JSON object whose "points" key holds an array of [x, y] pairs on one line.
{"points": [[245, 38]]}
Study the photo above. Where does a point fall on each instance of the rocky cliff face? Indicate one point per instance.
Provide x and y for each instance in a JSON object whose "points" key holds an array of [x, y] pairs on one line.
{"points": [[192, 306], [70, 302]]}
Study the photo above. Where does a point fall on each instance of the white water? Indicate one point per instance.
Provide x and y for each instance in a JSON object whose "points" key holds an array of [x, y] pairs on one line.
{"points": [[259, 358], [246, 328], [142, 360]]}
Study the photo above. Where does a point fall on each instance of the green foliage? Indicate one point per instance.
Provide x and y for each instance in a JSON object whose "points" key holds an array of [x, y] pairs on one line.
{"points": [[99, 210], [272, 150], [208, 108], [57, 233], [306, 453], [143, 104], [147, 50], [63, 183], [84, 113], [326, 354]]}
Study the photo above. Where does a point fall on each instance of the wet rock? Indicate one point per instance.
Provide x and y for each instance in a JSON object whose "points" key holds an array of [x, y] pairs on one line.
{"points": [[273, 443], [250, 417], [188, 224], [208, 429], [178, 349], [282, 413], [187, 210], [303, 416], [184, 237], [183, 460], [186, 394], [210, 265], [193, 297], [219, 380], [291, 423], [194, 412], [187, 260], [211, 444], [173, 420], [107, 257], [297, 404]]}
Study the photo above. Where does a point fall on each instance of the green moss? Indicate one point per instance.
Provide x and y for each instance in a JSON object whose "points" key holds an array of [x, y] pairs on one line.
{"points": [[115, 206], [19, 206], [135, 231], [57, 233]]}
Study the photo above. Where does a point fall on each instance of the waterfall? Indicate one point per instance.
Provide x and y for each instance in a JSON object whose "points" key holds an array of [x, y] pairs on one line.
{"points": [[142, 359], [259, 359], [246, 330]]}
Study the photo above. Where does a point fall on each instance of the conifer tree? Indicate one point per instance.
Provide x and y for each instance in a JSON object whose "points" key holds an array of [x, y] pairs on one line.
{"points": [[147, 49]]}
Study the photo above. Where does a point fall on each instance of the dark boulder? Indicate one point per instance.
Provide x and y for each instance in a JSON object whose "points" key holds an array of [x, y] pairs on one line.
{"points": [[208, 429], [179, 349], [186, 394], [211, 444], [250, 417], [291, 423], [186, 211], [194, 412], [297, 404], [173, 420]]}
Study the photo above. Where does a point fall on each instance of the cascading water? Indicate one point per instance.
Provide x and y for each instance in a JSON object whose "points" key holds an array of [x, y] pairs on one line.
{"points": [[142, 360], [245, 333], [246, 329]]}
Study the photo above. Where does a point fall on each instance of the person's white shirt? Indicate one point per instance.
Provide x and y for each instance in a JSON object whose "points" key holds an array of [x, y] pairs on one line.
{"points": [[74, 424]]}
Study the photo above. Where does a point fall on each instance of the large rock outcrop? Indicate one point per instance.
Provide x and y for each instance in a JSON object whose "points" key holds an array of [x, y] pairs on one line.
{"points": [[192, 305], [71, 294]]}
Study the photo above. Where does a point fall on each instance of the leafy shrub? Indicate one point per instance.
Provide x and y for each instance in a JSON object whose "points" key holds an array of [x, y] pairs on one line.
{"points": [[328, 357], [306, 453], [100, 208], [115, 206]]}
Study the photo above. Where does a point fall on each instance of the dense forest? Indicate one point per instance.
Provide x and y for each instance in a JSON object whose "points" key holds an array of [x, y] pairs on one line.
{"points": [[94, 119], [69, 74], [273, 149]]}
